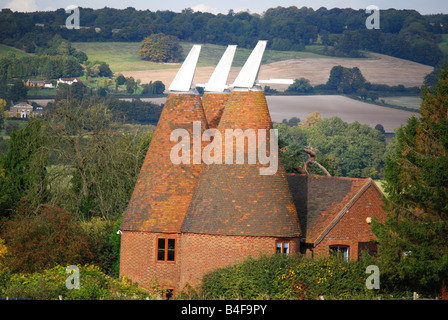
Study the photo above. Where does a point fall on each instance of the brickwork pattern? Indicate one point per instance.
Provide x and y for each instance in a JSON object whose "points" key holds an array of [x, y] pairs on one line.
{"points": [[138, 260], [204, 253], [353, 228]]}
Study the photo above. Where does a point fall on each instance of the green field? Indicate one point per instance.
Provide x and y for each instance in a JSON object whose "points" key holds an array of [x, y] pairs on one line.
{"points": [[5, 50], [123, 56], [412, 102], [444, 44]]}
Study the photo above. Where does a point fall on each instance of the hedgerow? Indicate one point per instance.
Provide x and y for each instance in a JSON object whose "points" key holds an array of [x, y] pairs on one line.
{"points": [[288, 277]]}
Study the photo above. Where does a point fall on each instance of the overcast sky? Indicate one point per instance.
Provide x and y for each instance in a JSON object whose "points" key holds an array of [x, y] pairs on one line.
{"points": [[223, 6]]}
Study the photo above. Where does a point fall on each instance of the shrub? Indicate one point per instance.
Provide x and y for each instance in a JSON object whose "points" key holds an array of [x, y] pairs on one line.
{"points": [[98, 232], [50, 284], [41, 240], [288, 277]]}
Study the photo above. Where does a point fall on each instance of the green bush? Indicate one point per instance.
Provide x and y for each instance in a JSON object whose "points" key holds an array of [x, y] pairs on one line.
{"points": [[50, 284], [287, 277]]}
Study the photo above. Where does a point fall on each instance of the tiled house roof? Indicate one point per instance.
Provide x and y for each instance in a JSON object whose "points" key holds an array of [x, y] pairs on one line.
{"points": [[234, 199], [213, 104], [323, 201], [163, 190]]}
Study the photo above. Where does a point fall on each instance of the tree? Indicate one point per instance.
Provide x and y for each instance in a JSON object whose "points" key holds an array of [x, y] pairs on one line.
{"points": [[120, 80], [2, 113], [160, 48], [17, 91], [44, 239], [413, 241], [97, 166], [23, 168], [301, 85], [345, 80], [156, 87]]}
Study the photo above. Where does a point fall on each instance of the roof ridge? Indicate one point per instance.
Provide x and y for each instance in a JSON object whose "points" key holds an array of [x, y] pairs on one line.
{"points": [[343, 211]]}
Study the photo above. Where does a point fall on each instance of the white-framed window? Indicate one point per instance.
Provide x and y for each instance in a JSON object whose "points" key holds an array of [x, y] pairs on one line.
{"points": [[282, 246], [340, 251]]}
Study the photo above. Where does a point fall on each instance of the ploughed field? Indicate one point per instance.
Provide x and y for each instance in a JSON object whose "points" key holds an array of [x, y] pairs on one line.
{"points": [[381, 69], [349, 110], [376, 68]]}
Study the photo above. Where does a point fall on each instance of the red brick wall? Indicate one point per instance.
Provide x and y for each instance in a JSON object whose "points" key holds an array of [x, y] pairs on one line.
{"points": [[202, 253], [138, 259], [353, 228]]}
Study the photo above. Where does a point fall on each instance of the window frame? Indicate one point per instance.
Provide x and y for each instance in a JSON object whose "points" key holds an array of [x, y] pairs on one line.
{"points": [[165, 250], [283, 241], [168, 293], [337, 248]]}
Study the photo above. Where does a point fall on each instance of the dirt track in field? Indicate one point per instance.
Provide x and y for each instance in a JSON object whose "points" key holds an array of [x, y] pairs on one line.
{"points": [[380, 69]]}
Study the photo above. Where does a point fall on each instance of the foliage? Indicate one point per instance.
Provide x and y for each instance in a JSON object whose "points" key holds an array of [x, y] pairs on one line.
{"points": [[160, 48], [22, 168], [43, 239], [2, 113], [287, 277], [50, 284], [301, 85], [97, 231], [100, 163], [3, 251], [404, 33], [413, 242], [345, 80], [153, 88], [351, 150]]}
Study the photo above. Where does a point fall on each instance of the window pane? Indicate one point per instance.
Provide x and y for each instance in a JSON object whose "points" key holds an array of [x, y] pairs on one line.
{"points": [[171, 255], [171, 244], [161, 255], [161, 244], [279, 247], [286, 247]]}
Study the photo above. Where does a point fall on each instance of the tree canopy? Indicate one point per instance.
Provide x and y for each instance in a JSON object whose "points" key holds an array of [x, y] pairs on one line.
{"points": [[413, 241], [160, 48]]}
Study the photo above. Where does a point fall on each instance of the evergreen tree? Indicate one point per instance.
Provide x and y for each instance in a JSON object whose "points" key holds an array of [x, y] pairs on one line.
{"points": [[413, 240]]}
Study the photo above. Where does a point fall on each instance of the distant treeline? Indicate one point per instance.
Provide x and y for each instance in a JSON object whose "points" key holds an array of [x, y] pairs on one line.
{"points": [[47, 67], [403, 33]]}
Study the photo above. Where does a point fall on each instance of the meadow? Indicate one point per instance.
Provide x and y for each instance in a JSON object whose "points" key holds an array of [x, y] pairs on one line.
{"points": [[123, 56]]}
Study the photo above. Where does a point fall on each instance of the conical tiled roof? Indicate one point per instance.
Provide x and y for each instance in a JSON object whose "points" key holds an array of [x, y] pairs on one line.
{"points": [[213, 104], [234, 199], [163, 190]]}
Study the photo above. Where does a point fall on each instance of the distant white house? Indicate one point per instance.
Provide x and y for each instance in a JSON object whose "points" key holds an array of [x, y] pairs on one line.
{"points": [[48, 84], [21, 110], [69, 81]]}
